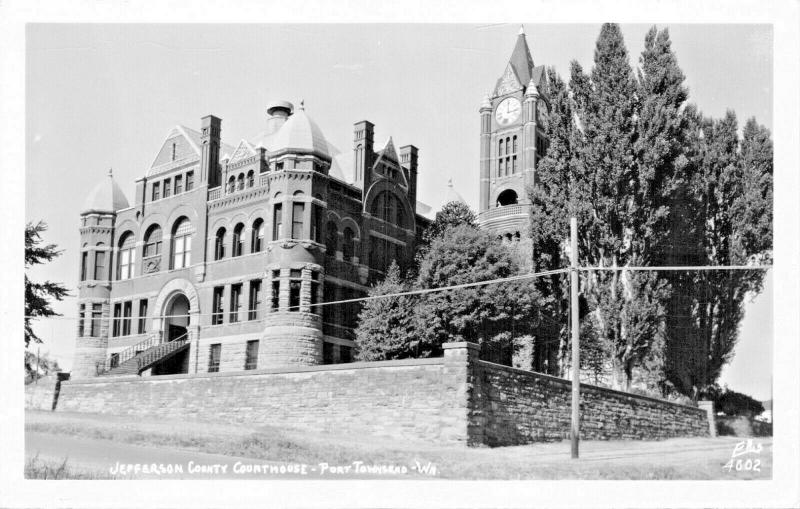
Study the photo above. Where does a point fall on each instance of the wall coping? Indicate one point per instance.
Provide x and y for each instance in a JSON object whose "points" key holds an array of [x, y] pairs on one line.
{"points": [[588, 386], [433, 361], [461, 344]]}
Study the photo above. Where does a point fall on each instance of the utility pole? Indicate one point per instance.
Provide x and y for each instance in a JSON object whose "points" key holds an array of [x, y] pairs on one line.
{"points": [[576, 357]]}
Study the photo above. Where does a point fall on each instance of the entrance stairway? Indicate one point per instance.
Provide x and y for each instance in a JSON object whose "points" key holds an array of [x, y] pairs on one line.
{"points": [[143, 355]]}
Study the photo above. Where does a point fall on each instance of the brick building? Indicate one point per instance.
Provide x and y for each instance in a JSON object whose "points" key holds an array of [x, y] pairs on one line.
{"points": [[221, 260]]}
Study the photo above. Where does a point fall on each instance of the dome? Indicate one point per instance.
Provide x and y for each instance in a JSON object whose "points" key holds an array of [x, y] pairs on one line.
{"points": [[452, 195], [300, 133], [106, 197]]}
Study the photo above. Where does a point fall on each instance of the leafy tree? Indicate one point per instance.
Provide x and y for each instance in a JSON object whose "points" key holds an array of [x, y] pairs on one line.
{"points": [[387, 328], [37, 366], [38, 295], [454, 213], [492, 315]]}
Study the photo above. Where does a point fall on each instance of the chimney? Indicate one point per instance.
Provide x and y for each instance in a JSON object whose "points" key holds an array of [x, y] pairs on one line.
{"points": [[408, 160], [210, 130], [278, 112], [363, 135]]}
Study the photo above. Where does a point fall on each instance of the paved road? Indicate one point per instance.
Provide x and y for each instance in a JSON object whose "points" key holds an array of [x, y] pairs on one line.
{"points": [[119, 460]]}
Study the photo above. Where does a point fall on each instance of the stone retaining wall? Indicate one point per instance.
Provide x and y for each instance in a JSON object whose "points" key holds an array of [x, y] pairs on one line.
{"points": [[457, 398]]}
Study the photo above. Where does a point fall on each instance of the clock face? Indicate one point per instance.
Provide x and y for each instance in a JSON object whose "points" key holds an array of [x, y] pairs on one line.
{"points": [[508, 111]]}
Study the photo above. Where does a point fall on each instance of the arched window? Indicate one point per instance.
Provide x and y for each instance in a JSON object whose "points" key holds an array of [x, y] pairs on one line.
{"points": [[331, 238], [231, 184], [384, 207], [348, 245], [126, 257], [238, 241], [219, 244], [257, 236], [507, 197], [250, 178], [240, 182], [152, 249], [182, 244], [401, 217], [99, 262]]}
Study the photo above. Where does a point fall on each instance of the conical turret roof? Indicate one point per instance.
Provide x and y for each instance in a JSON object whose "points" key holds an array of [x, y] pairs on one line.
{"points": [[106, 197]]}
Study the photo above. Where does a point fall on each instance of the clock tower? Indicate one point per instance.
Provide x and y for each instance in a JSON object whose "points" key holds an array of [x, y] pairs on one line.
{"points": [[512, 141]]}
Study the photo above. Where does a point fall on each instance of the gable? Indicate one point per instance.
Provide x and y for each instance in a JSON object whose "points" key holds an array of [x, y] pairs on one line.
{"points": [[177, 147], [243, 151], [508, 83]]}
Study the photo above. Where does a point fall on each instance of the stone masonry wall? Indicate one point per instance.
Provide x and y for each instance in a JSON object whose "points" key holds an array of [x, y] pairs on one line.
{"points": [[410, 399], [517, 407], [457, 398]]}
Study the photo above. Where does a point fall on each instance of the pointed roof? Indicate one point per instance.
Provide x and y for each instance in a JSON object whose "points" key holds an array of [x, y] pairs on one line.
{"points": [[300, 133], [106, 197], [521, 60], [389, 151]]}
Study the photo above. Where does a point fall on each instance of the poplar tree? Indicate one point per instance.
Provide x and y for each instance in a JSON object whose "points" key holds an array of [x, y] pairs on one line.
{"points": [[615, 227]]}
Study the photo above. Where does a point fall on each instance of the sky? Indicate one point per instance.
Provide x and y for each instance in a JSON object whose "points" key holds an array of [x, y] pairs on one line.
{"points": [[105, 96]]}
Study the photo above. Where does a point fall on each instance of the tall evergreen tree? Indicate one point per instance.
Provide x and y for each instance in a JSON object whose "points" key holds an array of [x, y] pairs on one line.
{"points": [[614, 225], [38, 295]]}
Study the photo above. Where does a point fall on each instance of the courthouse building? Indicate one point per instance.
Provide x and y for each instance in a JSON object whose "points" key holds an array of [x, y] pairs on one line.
{"points": [[220, 262], [226, 253]]}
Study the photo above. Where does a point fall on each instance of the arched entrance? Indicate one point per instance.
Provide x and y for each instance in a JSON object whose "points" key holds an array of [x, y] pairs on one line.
{"points": [[176, 328], [176, 319]]}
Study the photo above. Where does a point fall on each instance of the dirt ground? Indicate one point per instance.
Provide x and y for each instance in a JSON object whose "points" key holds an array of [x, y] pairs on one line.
{"points": [[111, 447]]}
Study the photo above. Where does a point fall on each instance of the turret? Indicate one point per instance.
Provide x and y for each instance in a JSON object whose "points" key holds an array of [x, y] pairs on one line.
{"points": [[485, 152], [96, 268], [529, 133], [278, 112]]}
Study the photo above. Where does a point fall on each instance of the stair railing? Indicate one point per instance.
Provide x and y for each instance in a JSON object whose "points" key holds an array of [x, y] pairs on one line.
{"points": [[162, 349], [129, 353]]}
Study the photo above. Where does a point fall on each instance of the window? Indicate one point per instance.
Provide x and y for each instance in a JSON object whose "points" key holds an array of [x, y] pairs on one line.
{"points": [[348, 245], [152, 242], [84, 264], [236, 303], [251, 355], [257, 236], [295, 282], [127, 257], [142, 325], [189, 180], [327, 353], [314, 291], [174, 147], [254, 302], [166, 188], [345, 353], [214, 355], [182, 244], [81, 317], [238, 241], [240, 182], [127, 309], [97, 315], [156, 194], [331, 238], [250, 178], [297, 220], [279, 166], [277, 222], [178, 184], [276, 288], [216, 306], [231, 184], [219, 244], [99, 263], [316, 233], [116, 321]]}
